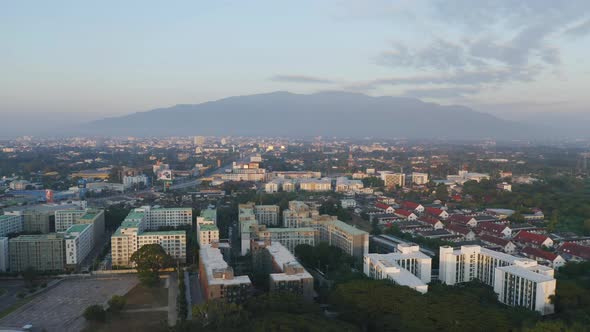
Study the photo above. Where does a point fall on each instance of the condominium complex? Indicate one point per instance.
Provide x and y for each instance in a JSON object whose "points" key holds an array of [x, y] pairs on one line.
{"points": [[343, 184], [419, 178], [244, 172], [64, 219], [267, 214], [288, 237], [517, 281], [4, 258], [131, 236], [324, 184], [79, 241], [166, 217], [43, 252], [298, 214], [287, 274], [207, 234], [10, 224], [392, 180], [217, 278], [407, 266], [351, 240]]}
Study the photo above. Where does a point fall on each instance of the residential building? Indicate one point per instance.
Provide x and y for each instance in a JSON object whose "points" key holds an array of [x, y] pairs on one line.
{"points": [[64, 219], [575, 252], [412, 206], [392, 180], [130, 181], [43, 252], [344, 184], [267, 214], [79, 241], [405, 214], [167, 217], [207, 233], [298, 214], [436, 212], [11, 224], [433, 222], [543, 257], [517, 281], [499, 230], [288, 237], [351, 240], [217, 278], [348, 203], [419, 178], [316, 185], [493, 242], [4, 258], [407, 266], [525, 238], [467, 233]]}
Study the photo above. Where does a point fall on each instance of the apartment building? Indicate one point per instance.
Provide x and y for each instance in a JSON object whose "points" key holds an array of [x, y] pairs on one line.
{"points": [[64, 219], [419, 178], [288, 237], [517, 281], [407, 266], [351, 240], [298, 214], [207, 234], [316, 185], [267, 214], [217, 279], [4, 258], [166, 217], [392, 180], [79, 241], [10, 224], [344, 184], [43, 252]]}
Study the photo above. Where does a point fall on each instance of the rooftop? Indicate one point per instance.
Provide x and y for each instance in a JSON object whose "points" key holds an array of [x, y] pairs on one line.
{"points": [[526, 273], [209, 227], [78, 228], [348, 228]]}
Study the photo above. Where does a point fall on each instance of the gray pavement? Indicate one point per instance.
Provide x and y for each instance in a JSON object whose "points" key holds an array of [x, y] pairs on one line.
{"points": [[172, 294], [61, 308]]}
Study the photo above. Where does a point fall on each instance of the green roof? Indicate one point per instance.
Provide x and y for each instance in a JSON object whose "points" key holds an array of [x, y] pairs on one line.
{"points": [[6, 217], [209, 214], [173, 209], [89, 215], [37, 237], [135, 215], [299, 229], [208, 227], [78, 228], [348, 228]]}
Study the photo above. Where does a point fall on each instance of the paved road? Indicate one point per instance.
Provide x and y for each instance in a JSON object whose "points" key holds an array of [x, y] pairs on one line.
{"points": [[172, 294], [187, 284], [195, 288]]}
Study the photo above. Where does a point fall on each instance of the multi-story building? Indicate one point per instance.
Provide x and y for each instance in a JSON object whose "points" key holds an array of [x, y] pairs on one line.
{"points": [[245, 173], [207, 234], [10, 224], [517, 281], [287, 274], [407, 266], [43, 252], [4, 258], [217, 278], [96, 218], [166, 217], [131, 236], [298, 214], [343, 184], [351, 240], [64, 219], [267, 214], [419, 178], [79, 241], [130, 181], [317, 185], [392, 180], [288, 237], [208, 215]]}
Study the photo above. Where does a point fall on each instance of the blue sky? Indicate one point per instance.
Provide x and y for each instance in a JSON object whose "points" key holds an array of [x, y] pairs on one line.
{"points": [[80, 60]]}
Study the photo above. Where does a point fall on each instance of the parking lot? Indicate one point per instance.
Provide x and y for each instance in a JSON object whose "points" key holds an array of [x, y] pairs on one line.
{"points": [[60, 308]]}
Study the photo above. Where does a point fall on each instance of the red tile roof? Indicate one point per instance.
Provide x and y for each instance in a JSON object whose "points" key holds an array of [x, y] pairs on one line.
{"points": [[382, 206], [491, 227], [458, 229], [409, 205], [540, 253], [403, 212], [428, 220], [434, 211], [494, 240], [575, 249], [528, 237]]}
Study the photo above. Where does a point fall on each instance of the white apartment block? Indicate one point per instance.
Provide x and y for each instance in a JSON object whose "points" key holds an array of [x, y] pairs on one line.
{"points": [[343, 184], [351, 240], [419, 178], [407, 267], [348, 203], [517, 281], [267, 214], [288, 237], [167, 217], [298, 214], [316, 185], [64, 219], [173, 242], [10, 224], [130, 181], [79, 241], [207, 234], [393, 179], [4, 258]]}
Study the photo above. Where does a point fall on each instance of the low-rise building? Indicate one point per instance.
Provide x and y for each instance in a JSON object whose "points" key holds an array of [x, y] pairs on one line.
{"points": [[544, 257], [525, 238], [316, 185]]}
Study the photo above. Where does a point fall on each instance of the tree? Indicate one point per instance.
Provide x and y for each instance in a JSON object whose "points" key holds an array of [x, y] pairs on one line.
{"points": [[442, 193], [95, 313], [150, 259], [117, 303], [29, 275]]}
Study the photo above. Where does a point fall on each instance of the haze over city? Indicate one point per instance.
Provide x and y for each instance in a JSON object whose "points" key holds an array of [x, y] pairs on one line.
{"points": [[66, 62]]}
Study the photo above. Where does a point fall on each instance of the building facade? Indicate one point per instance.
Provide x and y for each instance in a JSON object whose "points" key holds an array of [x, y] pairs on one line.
{"points": [[42, 252], [267, 214], [217, 279], [10, 224], [79, 241]]}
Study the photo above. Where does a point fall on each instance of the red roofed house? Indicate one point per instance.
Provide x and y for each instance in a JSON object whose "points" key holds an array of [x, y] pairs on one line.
{"points": [[532, 239], [494, 229], [576, 251], [462, 220], [384, 207], [412, 206], [435, 223], [543, 256], [466, 232], [437, 212], [506, 245], [405, 214]]}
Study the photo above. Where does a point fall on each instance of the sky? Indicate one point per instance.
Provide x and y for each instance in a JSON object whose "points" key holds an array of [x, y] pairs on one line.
{"points": [[71, 61]]}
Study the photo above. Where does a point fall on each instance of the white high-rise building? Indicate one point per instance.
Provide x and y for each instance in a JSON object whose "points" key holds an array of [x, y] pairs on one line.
{"points": [[407, 267], [517, 281], [64, 219], [166, 217], [79, 241]]}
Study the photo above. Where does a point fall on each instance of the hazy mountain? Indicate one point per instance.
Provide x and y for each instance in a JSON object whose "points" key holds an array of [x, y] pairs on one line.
{"points": [[326, 113]]}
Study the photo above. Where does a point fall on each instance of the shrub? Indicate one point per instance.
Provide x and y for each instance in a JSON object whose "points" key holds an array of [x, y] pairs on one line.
{"points": [[117, 303], [95, 313]]}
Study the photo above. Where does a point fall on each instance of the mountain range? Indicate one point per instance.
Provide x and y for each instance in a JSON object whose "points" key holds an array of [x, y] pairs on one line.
{"points": [[340, 114]]}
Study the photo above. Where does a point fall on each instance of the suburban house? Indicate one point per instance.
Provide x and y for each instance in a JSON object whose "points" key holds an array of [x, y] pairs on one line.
{"points": [[436, 212], [491, 228], [435, 223], [384, 207], [505, 245], [545, 257], [575, 251], [464, 231], [526, 238], [462, 219], [412, 206], [406, 214]]}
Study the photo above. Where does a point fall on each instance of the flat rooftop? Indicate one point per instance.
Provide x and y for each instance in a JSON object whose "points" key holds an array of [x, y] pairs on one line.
{"points": [[212, 260], [78, 228], [526, 273]]}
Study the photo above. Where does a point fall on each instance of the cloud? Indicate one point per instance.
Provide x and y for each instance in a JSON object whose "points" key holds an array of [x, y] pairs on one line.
{"points": [[301, 79], [581, 29]]}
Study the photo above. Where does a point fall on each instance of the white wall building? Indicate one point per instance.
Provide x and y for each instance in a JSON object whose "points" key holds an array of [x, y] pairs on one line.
{"points": [[407, 267], [166, 217], [267, 214], [79, 241], [11, 224], [64, 219], [130, 181], [517, 281], [419, 178]]}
